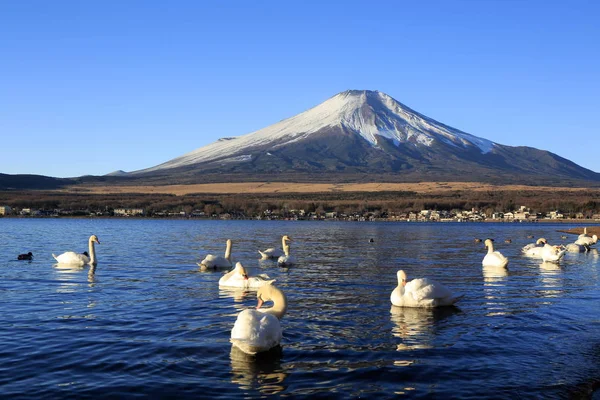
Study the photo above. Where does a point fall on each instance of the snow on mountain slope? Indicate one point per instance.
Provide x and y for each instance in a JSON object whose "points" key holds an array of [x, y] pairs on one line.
{"points": [[370, 114]]}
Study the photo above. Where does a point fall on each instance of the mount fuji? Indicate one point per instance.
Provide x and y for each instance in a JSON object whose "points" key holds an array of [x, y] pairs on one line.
{"points": [[368, 136]]}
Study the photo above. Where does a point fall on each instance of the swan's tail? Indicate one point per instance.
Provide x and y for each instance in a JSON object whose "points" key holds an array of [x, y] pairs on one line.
{"points": [[263, 255], [55, 256], [457, 298], [245, 346]]}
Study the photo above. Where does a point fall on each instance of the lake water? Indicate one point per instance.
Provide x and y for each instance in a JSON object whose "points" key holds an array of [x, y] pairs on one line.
{"points": [[148, 323]]}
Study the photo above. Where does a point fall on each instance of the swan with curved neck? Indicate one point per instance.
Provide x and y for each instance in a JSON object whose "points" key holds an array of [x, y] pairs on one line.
{"points": [[534, 249], [239, 278], [273, 252], [493, 258], [287, 259], [258, 330], [215, 262], [422, 292], [70, 257]]}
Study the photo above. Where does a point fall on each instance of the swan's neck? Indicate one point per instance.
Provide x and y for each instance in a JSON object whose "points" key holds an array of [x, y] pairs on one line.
{"points": [[490, 248], [286, 249], [92, 250], [228, 251], [279, 303], [401, 288]]}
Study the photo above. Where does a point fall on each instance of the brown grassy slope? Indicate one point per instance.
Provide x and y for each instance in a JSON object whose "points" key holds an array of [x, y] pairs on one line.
{"points": [[288, 187]]}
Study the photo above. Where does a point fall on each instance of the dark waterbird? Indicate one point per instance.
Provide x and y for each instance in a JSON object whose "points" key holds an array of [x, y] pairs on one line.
{"points": [[28, 256]]}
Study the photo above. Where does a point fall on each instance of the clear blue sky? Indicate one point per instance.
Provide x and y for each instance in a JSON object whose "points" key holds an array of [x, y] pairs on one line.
{"points": [[89, 87]]}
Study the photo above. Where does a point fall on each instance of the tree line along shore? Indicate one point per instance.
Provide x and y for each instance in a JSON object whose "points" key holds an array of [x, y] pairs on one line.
{"points": [[538, 204]]}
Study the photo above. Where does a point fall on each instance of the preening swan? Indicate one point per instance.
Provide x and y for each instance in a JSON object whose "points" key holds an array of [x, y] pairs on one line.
{"points": [[421, 292], [273, 252], [287, 259], [553, 253], [587, 240], [493, 258], [534, 249], [70, 257], [239, 278], [214, 262], [258, 330]]}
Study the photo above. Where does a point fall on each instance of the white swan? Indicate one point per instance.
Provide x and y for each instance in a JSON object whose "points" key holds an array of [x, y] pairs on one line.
{"points": [[239, 278], [70, 257], [584, 234], [421, 292], [259, 330], [493, 258], [273, 252], [533, 249], [214, 262], [287, 259], [553, 253], [577, 248]]}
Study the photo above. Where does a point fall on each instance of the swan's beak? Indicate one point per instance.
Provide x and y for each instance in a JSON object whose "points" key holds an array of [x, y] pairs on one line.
{"points": [[260, 303], [403, 282], [245, 276]]}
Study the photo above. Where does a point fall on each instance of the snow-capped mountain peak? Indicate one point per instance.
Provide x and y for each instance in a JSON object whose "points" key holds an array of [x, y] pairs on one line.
{"points": [[370, 114]]}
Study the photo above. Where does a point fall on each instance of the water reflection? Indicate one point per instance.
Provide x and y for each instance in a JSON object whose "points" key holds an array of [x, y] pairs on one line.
{"points": [[68, 268], [494, 288], [494, 274], [69, 276], [262, 371], [416, 326], [237, 294], [551, 278], [70, 281]]}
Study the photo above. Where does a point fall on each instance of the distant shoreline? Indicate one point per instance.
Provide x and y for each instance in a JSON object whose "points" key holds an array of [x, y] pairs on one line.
{"points": [[581, 222]]}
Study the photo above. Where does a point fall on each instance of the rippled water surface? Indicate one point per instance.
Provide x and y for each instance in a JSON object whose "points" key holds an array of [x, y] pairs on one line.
{"points": [[148, 323]]}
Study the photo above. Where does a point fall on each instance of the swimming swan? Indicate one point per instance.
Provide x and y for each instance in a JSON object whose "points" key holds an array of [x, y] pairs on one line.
{"points": [[493, 258], [534, 249], [70, 257], [287, 259], [214, 262], [258, 330], [239, 278], [421, 292], [577, 248], [273, 252]]}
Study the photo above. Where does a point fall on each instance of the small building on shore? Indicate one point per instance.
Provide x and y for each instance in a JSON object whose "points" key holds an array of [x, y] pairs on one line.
{"points": [[5, 210], [128, 212]]}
